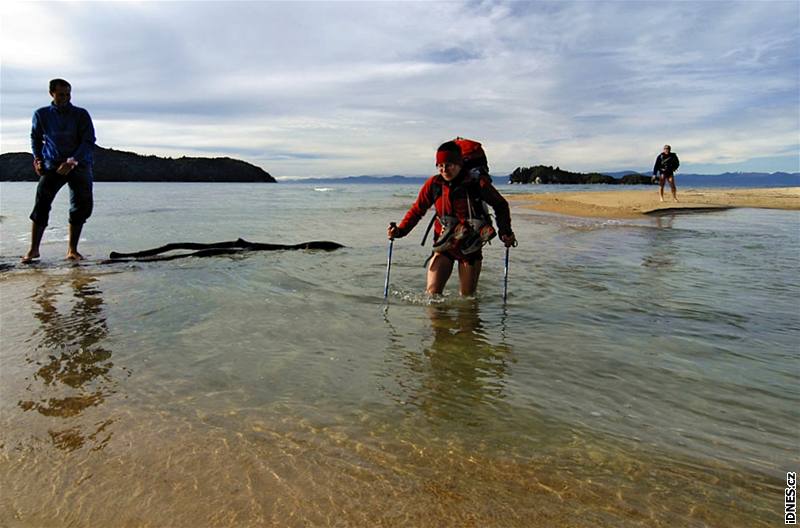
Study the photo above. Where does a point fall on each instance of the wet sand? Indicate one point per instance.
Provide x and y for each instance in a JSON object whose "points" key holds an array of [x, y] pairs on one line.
{"points": [[269, 467], [638, 203]]}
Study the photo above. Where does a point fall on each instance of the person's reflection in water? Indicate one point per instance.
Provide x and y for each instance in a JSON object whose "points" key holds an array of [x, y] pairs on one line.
{"points": [[665, 221], [466, 371], [662, 244], [74, 371]]}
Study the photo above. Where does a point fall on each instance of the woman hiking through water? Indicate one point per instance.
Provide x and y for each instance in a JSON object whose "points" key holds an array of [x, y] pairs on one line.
{"points": [[461, 226]]}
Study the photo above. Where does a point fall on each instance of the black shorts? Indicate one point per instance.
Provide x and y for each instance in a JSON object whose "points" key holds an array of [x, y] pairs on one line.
{"points": [[81, 201], [457, 255]]}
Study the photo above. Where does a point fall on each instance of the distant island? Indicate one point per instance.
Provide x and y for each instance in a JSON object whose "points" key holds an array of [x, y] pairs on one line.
{"points": [[119, 166], [541, 174]]}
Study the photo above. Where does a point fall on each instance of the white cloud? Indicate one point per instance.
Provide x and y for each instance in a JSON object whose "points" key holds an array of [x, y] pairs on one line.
{"points": [[28, 37]]}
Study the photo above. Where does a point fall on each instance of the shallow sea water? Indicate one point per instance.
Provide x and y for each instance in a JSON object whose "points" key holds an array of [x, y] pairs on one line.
{"points": [[642, 373]]}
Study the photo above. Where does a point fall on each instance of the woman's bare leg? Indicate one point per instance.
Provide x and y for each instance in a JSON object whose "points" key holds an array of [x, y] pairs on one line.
{"points": [[468, 275], [439, 271]]}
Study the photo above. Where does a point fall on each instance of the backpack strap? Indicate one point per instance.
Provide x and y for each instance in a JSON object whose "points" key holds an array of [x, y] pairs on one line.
{"points": [[473, 186], [430, 225], [437, 192]]}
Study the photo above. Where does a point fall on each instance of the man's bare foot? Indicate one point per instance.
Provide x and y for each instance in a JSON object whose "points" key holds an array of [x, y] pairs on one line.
{"points": [[29, 257], [74, 255], [661, 198]]}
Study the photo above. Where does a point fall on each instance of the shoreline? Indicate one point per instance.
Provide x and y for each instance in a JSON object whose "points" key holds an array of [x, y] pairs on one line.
{"points": [[620, 204]]}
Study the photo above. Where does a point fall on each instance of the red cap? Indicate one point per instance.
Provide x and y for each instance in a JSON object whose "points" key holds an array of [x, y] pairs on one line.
{"points": [[449, 153]]}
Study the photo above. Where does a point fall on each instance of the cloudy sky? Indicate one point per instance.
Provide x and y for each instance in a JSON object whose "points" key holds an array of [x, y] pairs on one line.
{"points": [[340, 88]]}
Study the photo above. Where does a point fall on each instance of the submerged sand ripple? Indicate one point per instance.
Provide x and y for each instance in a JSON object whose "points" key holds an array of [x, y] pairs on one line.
{"points": [[271, 468]]}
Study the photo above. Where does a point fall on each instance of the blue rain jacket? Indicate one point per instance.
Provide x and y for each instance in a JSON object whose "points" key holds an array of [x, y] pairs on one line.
{"points": [[64, 132]]}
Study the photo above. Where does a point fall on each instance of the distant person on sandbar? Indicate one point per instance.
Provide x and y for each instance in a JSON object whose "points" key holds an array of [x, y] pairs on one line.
{"points": [[666, 164], [462, 226], [62, 140]]}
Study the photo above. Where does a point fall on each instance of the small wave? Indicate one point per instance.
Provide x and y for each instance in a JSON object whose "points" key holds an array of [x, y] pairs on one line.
{"points": [[323, 189], [418, 297]]}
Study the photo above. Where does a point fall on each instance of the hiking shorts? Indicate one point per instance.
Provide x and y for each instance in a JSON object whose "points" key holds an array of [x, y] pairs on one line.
{"points": [[456, 255], [81, 201]]}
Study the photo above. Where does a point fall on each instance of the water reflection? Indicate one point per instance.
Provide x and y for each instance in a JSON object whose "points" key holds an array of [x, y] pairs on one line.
{"points": [[74, 366], [461, 373], [662, 245]]}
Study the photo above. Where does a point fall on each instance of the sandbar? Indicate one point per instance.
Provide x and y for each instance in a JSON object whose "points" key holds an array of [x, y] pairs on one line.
{"points": [[638, 203]]}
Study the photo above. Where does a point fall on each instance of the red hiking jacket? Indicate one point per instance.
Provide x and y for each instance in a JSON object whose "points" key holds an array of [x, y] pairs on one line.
{"points": [[450, 199]]}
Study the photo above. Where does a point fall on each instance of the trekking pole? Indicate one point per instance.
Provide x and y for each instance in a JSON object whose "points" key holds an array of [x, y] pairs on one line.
{"points": [[505, 276], [505, 273], [388, 266]]}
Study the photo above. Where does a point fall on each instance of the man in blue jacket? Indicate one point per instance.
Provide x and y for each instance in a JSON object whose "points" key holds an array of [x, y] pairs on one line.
{"points": [[62, 140]]}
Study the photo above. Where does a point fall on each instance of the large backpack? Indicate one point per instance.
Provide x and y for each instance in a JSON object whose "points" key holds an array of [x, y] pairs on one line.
{"points": [[473, 155], [476, 165]]}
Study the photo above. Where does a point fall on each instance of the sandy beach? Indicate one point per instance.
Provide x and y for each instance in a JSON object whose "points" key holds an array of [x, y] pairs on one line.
{"points": [[636, 203]]}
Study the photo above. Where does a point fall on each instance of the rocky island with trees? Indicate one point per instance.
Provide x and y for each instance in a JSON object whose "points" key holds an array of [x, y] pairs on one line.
{"points": [[541, 174], [119, 166]]}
